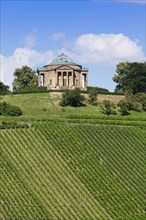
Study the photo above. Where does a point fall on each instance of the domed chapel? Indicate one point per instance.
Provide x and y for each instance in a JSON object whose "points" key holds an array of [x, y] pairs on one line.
{"points": [[63, 73]]}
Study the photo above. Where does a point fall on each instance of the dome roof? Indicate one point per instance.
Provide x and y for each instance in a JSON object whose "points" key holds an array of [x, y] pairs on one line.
{"points": [[63, 59]]}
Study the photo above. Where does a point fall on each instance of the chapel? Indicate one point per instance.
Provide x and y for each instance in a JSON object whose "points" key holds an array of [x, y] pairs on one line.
{"points": [[63, 73]]}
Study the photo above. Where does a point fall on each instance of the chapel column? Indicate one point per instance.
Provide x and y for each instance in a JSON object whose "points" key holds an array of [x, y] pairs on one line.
{"points": [[61, 78], [86, 79], [67, 75], [39, 79], [78, 80], [72, 78], [56, 79]]}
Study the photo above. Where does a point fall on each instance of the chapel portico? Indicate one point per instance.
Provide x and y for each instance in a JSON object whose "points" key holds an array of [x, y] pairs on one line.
{"points": [[62, 73]]}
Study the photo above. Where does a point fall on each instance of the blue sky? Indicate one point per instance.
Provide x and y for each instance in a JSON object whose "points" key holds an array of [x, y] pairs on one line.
{"points": [[96, 34]]}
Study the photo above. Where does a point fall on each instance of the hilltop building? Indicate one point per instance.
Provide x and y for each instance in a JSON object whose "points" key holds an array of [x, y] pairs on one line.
{"points": [[63, 73]]}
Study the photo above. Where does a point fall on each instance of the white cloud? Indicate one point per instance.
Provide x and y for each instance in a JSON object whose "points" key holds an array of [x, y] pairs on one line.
{"points": [[30, 40], [121, 1], [106, 49], [57, 36], [21, 57]]}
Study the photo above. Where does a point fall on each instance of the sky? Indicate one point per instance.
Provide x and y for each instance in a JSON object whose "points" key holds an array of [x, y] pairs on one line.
{"points": [[97, 34]]}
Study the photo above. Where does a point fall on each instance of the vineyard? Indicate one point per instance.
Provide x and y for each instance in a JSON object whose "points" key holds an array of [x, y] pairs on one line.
{"points": [[69, 171]]}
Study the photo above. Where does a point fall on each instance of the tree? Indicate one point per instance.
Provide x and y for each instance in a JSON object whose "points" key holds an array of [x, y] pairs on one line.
{"points": [[92, 97], [108, 108], [72, 98], [131, 77], [25, 78], [4, 89]]}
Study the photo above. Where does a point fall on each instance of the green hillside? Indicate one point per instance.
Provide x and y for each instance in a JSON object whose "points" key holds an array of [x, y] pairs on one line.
{"points": [[43, 106], [73, 171], [47, 104], [65, 163]]}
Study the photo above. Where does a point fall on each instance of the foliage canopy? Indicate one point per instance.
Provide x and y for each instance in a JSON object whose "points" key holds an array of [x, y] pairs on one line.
{"points": [[131, 77]]}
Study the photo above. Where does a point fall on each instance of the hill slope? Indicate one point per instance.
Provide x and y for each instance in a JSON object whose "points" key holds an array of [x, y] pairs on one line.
{"points": [[72, 171], [46, 104]]}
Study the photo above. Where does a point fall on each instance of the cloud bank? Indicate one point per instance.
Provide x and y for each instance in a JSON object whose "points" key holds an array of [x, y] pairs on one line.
{"points": [[21, 57], [107, 49], [87, 49]]}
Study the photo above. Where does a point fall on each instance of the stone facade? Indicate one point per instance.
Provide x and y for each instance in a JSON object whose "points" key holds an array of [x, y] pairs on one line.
{"points": [[62, 73]]}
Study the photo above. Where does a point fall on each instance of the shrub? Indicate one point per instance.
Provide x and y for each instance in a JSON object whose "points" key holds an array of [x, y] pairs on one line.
{"points": [[108, 108], [13, 111], [72, 98], [63, 109], [92, 97], [98, 89], [134, 102], [4, 89], [124, 106], [3, 106], [141, 98], [10, 110], [31, 90], [8, 125]]}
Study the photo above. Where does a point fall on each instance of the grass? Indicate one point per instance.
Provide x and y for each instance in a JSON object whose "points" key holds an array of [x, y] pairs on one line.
{"points": [[47, 105]]}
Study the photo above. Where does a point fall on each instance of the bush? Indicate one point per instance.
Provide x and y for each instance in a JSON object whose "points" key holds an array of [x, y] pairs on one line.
{"points": [[63, 109], [31, 90], [8, 125], [141, 98], [9, 110], [108, 108], [134, 102], [98, 89], [4, 89], [44, 109], [72, 98], [124, 106], [92, 97]]}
